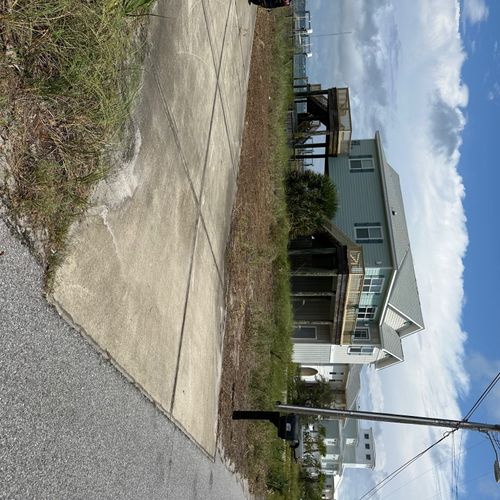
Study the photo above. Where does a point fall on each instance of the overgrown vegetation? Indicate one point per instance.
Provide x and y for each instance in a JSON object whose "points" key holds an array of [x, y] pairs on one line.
{"points": [[271, 336], [65, 73], [311, 198]]}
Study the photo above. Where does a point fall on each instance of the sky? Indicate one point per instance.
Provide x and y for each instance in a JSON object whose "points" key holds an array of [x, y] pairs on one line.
{"points": [[426, 74]]}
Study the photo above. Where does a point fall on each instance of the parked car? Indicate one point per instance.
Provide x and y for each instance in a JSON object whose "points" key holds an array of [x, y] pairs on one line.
{"points": [[271, 4]]}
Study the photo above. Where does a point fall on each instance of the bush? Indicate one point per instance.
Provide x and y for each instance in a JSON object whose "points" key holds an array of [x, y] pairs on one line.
{"points": [[317, 394], [311, 198]]}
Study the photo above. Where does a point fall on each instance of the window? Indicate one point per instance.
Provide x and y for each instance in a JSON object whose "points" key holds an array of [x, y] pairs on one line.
{"points": [[331, 441], [367, 446], [368, 457], [368, 232], [366, 312], [361, 334], [355, 143], [367, 436], [360, 350], [304, 332], [373, 285], [361, 164]]}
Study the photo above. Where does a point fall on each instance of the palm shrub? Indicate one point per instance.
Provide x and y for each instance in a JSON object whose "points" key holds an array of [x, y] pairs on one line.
{"points": [[311, 198]]}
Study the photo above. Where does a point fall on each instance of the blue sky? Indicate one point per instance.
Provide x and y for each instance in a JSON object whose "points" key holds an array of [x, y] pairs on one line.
{"points": [[426, 73]]}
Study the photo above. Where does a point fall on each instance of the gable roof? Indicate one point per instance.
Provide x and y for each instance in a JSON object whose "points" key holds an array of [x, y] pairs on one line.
{"points": [[391, 342], [353, 386], [404, 292]]}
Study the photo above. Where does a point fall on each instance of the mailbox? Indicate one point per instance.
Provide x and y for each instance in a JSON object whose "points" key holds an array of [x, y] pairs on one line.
{"points": [[288, 425], [288, 429]]}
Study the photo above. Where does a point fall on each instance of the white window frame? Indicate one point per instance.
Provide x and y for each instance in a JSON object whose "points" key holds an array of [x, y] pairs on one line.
{"points": [[358, 350], [331, 441], [373, 288], [371, 237], [369, 313], [359, 329], [299, 327], [365, 162]]}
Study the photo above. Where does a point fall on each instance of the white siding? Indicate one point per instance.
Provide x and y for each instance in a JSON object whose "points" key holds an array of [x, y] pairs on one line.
{"points": [[311, 353], [394, 319], [339, 354]]}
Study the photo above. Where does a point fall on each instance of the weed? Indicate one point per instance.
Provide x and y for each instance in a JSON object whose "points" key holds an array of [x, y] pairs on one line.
{"points": [[66, 65]]}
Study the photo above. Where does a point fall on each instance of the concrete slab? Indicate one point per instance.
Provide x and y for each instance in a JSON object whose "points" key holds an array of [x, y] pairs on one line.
{"points": [[144, 273], [233, 84], [219, 189], [125, 278], [182, 58], [197, 389]]}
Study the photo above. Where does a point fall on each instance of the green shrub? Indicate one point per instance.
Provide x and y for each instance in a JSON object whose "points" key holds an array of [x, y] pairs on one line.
{"points": [[311, 198]]}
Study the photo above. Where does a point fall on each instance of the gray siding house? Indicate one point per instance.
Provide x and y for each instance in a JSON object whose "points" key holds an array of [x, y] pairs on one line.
{"points": [[385, 307]]}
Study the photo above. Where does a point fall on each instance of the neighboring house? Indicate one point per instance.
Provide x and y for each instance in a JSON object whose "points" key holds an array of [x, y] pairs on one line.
{"points": [[371, 212], [379, 305], [347, 446], [345, 381]]}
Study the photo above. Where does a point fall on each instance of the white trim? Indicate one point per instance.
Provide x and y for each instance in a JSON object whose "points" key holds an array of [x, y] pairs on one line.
{"points": [[381, 158], [387, 296], [375, 308], [369, 278], [405, 316], [366, 329], [350, 350]]}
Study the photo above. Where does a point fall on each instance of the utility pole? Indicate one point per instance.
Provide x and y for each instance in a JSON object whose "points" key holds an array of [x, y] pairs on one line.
{"points": [[389, 417]]}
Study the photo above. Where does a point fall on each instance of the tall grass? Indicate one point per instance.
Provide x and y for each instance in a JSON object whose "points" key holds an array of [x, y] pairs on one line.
{"points": [[68, 67], [272, 333]]}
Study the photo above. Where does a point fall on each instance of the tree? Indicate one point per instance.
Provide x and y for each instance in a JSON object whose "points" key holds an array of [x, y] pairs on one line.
{"points": [[311, 198], [314, 394]]}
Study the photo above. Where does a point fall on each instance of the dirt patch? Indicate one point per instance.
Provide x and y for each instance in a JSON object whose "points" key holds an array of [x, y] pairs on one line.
{"points": [[250, 284]]}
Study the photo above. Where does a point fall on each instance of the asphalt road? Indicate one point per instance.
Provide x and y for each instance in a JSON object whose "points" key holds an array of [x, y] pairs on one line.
{"points": [[71, 426]]}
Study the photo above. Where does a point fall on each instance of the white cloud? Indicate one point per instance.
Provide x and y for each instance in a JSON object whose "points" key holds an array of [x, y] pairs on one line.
{"points": [[494, 92], [403, 64], [475, 11]]}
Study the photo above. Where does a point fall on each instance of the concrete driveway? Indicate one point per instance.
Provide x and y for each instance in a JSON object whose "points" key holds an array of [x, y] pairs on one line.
{"points": [[144, 274]]}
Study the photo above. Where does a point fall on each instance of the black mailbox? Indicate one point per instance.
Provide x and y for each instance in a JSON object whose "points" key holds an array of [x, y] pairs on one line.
{"points": [[288, 425], [288, 428]]}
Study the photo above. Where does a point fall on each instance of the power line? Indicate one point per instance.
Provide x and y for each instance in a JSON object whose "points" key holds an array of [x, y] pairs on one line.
{"points": [[492, 444], [482, 397], [400, 469], [432, 468], [465, 482]]}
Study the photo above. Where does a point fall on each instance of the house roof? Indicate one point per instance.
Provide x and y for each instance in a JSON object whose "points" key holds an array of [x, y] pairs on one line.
{"points": [[404, 293], [391, 342], [353, 386]]}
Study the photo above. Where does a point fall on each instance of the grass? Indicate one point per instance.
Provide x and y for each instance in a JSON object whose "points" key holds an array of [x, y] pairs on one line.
{"points": [[272, 331], [67, 92]]}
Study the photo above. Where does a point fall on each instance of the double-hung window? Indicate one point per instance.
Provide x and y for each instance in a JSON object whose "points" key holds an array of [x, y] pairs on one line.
{"points": [[361, 164], [366, 312], [361, 334], [360, 350], [368, 232], [373, 284]]}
